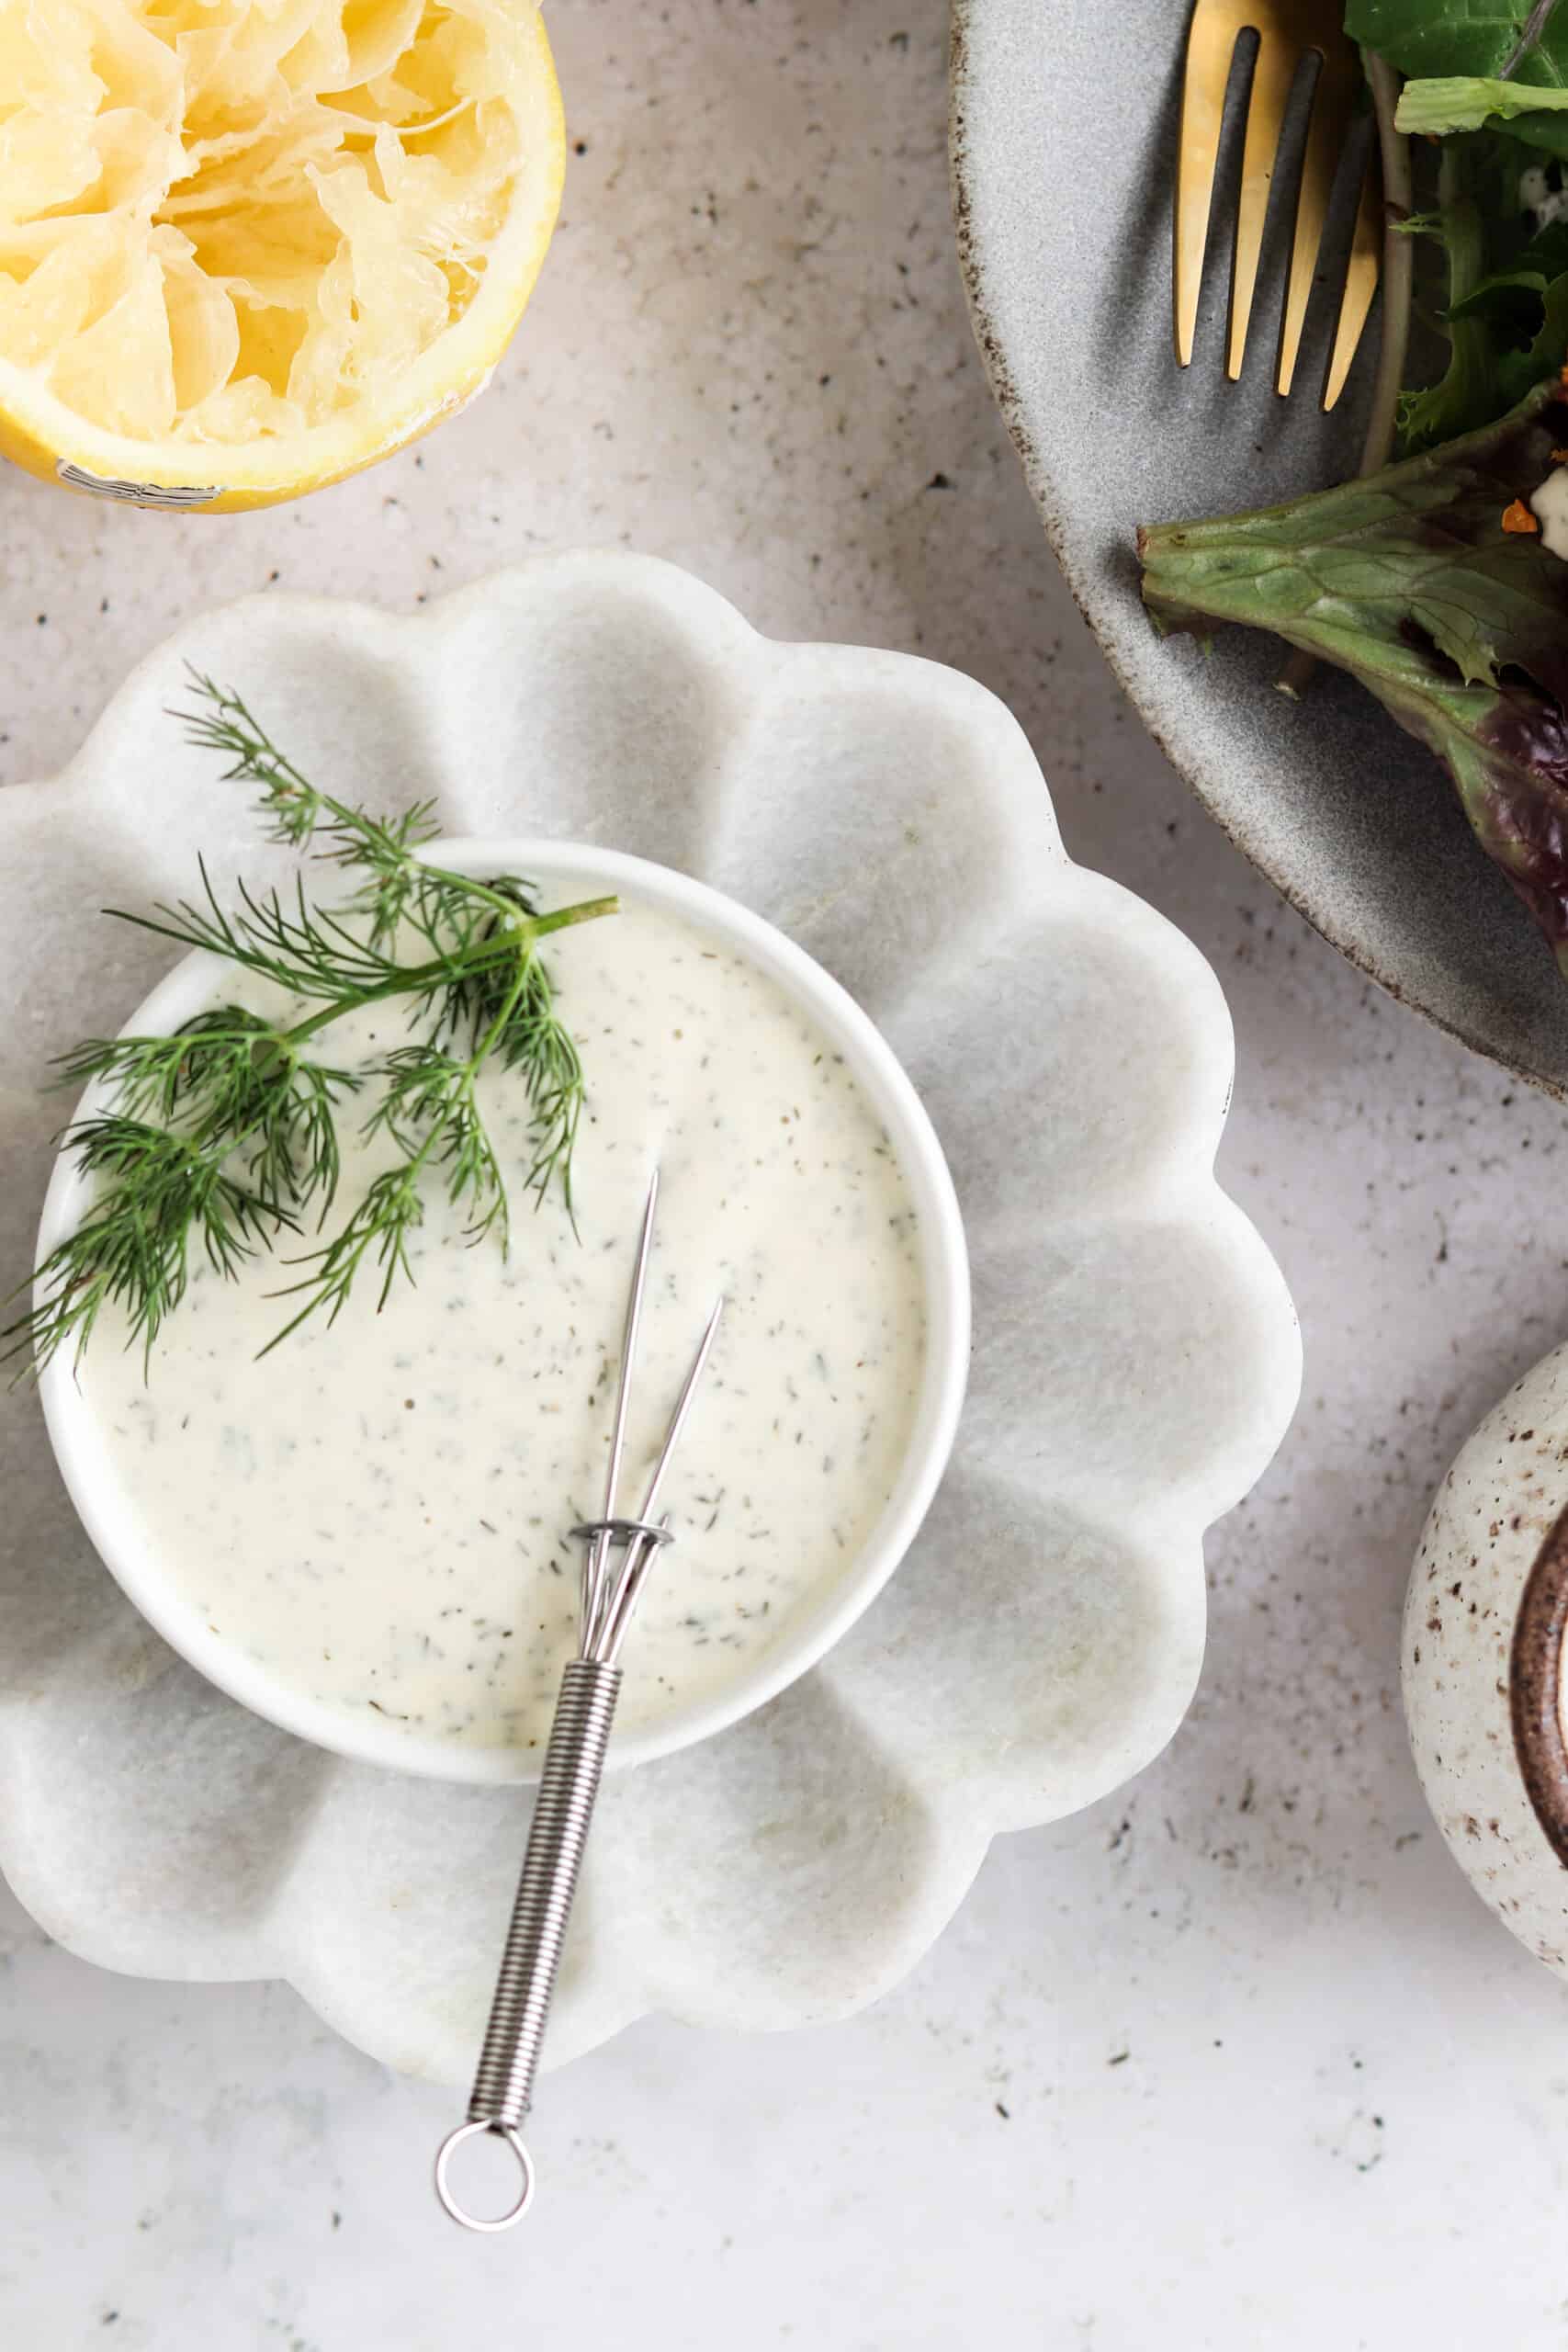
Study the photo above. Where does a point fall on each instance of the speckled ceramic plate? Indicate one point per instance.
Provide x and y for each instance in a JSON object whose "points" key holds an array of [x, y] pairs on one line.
{"points": [[1136, 1359], [1064, 127]]}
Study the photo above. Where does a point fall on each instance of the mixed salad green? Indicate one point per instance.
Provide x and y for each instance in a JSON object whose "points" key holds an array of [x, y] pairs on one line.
{"points": [[1433, 580]]}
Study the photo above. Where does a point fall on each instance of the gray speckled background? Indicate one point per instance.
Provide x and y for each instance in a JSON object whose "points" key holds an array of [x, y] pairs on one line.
{"points": [[1238, 2056]]}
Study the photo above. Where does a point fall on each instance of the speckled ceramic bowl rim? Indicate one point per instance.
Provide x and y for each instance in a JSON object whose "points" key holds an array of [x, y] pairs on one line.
{"points": [[576, 869], [1316, 909], [1535, 1687]]}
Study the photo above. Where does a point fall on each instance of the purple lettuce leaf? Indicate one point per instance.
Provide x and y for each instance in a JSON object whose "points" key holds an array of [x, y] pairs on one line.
{"points": [[1409, 580]]}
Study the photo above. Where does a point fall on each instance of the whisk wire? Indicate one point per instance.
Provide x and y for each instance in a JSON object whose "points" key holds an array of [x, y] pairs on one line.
{"points": [[574, 1762]]}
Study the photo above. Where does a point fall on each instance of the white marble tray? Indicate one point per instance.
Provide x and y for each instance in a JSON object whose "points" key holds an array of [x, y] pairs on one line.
{"points": [[1136, 1357]]}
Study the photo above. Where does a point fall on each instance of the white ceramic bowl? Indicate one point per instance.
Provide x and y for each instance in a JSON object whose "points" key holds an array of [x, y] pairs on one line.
{"points": [[564, 872]]}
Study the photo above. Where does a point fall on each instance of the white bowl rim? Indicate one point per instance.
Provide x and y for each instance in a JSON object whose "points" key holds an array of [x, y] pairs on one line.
{"points": [[944, 1266]]}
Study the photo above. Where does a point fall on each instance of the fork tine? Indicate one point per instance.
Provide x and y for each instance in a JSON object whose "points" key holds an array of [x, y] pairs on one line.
{"points": [[1210, 44], [1360, 281], [1272, 75], [1331, 112]]}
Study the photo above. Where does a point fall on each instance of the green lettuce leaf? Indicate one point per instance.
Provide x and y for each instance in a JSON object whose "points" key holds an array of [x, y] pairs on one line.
{"points": [[1507, 323], [1466, 102], [1461, 37], [1466, 47], [1408, 581]]}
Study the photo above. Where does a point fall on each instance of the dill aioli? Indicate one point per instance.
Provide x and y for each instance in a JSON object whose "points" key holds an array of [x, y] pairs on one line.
{"points": [[379, 1512]]}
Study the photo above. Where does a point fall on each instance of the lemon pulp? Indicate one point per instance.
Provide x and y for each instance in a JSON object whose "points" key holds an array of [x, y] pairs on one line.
{"points": [[254, 244]]}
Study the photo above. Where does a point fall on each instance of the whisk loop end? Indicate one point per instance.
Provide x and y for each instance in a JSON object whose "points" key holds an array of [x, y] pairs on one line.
{"points": [[444, 2189], [574, 1762]]}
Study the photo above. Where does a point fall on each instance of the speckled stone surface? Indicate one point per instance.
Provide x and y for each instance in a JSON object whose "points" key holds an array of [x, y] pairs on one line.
{"points": [[1239, 2059]]}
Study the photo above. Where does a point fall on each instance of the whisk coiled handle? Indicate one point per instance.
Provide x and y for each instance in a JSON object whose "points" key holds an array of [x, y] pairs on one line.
{"points": [[574, 1760], [504, 2080]]}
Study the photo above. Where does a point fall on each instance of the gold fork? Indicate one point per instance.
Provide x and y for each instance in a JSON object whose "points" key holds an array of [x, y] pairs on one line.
{"points": [[1289, 32]]}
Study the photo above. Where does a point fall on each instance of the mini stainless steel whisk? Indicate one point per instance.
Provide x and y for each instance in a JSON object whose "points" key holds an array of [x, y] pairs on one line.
{"points": [[617, 1555]]}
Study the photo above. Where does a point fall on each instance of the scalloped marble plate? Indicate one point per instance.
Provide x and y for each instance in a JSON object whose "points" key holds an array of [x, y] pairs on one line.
{"points": [[1136, 1358]]}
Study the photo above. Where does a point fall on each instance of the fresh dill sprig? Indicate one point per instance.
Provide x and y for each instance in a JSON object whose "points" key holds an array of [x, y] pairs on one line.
{"points": [[158, 1192], [227, 1076], [531, 1037], [219, 1137], [302, 817]]}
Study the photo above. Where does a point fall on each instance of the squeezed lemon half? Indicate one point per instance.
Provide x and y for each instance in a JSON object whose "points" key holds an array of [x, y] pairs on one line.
{"points": [[248, 246]]}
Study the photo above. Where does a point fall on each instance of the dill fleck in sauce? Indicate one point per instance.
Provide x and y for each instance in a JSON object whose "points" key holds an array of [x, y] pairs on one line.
{"points": [[377, 1513]]}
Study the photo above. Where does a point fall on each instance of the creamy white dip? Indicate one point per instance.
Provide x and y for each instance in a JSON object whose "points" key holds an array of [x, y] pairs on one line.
{"points": [[1540, 198], [1550, 503], [379, 1512]]}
